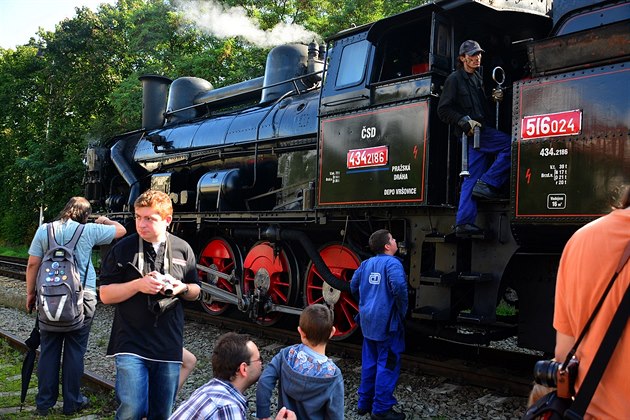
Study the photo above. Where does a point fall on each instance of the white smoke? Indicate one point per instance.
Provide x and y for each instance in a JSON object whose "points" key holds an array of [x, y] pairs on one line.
{"points": [[224, 22]]}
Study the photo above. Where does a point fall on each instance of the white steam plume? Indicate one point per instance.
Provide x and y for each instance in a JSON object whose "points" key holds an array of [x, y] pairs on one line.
{"points": [[223, 22]]}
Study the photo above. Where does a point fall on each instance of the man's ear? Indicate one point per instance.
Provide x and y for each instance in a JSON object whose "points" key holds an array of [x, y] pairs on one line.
{"points": [[242, 370], [332, 331]]}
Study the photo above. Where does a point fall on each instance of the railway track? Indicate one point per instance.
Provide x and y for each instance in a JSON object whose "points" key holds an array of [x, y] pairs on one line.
{"points": [[492, 368], [13, 267], [90, 380]]}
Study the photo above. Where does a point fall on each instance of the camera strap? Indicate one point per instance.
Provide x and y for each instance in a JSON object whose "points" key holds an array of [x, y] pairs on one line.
{"points": [[606, 348], [157, 307], [166, 264]]}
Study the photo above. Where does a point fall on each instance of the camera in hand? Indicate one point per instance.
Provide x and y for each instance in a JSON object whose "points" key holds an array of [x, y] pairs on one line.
{"points": [[167, 287], [549, 373]]}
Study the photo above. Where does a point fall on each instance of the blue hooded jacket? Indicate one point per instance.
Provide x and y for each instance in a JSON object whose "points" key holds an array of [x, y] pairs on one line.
{"points": [[310, 397], [380, 284]]}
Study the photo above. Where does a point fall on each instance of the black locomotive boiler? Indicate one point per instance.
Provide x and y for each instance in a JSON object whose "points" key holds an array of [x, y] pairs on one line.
{"points": [[277, 182]]}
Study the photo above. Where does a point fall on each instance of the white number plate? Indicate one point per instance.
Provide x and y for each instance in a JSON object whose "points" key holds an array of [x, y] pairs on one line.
{"points": [[365, 158], [566, 123]]}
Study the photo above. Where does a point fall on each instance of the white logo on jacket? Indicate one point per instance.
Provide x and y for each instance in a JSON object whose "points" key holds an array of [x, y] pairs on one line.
{"points": [[375, 278]]}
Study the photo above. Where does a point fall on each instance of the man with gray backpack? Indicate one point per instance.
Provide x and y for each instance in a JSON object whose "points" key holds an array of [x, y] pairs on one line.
{"points": [[61, 284]]}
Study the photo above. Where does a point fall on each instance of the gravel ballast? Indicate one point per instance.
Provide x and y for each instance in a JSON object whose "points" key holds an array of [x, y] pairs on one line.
{"points": [[419, 396]]}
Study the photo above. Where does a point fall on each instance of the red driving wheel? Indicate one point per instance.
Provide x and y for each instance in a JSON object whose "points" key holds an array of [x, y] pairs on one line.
{"points": [[222, 255], [342, 262], [271, 274]]}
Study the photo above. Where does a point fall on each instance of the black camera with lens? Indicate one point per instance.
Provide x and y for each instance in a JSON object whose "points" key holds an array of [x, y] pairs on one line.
{"points": [[549, 373]]}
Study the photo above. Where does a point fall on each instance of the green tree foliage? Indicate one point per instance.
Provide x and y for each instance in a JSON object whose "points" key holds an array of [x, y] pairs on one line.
{"points": [[22, 119], [79, 84]]}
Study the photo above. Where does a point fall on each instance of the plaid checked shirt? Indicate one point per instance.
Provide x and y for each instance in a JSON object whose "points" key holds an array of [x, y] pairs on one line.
{"points": [[216, 400]]}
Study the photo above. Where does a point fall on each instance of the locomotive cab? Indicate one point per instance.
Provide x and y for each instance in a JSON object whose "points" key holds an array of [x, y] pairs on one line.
{"points": [[401, 62], [382, 145]]}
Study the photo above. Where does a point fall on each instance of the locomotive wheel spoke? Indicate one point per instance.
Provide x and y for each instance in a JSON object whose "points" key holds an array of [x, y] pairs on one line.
{"points": [[272, 275], [341, 262], [224, 256]]}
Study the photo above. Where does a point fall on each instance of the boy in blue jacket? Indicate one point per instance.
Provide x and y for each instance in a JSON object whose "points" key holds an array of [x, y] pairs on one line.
{"points": [[380, 286], [310, 383]]}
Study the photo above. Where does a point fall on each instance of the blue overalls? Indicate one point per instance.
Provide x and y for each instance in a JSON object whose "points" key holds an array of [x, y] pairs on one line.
{"points": [[492, 142]]}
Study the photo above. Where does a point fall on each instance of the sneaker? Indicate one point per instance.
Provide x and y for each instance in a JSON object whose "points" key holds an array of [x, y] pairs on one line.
{"points": [[467, 230], [41, 412], [83, 405], [389, 415], [486, 191]]}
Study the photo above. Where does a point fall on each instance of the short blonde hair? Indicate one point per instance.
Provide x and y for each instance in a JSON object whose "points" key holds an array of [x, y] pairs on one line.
{"points": [[157, 200]]}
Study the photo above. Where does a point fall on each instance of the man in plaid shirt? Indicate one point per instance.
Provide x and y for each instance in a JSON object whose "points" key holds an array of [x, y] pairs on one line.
{"points": [[237, 365]]}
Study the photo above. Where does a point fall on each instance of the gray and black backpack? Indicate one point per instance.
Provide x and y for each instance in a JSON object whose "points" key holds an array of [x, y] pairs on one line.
{"points": [[59, 287]]}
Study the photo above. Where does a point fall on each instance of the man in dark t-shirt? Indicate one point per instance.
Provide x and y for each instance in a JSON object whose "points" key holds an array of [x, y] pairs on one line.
{"points": [[145, 276]]}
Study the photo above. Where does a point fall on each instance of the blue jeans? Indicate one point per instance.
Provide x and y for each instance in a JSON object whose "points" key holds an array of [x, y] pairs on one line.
{"points": [[492, 143], [380, 369], [74, 345], [145, 388]]}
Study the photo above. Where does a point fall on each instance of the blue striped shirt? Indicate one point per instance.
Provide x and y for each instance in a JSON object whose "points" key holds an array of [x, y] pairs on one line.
{"points": [[216, 400]]}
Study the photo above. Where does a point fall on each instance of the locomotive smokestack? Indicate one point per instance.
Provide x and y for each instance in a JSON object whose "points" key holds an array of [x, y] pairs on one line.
{"points": [[154, 95]]}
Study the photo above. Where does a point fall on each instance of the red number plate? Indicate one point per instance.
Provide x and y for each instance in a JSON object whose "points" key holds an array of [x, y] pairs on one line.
{"points": [[365, 158], [566, 123]]}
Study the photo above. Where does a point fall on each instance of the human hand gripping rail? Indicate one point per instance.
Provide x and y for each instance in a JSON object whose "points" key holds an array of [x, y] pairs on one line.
{"points": [[469, 127]]}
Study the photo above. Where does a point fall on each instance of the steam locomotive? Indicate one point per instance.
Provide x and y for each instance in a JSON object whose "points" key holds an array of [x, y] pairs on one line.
{"points": [[277, 182]]}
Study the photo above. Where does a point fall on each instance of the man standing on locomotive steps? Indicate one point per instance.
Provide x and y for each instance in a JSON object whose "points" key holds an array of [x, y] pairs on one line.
{"points": [[380, 287], [463, 105], [146, 340]]}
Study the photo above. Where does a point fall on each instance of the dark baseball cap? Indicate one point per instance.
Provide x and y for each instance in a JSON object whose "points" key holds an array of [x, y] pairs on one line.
{"points": [[470, 47]]}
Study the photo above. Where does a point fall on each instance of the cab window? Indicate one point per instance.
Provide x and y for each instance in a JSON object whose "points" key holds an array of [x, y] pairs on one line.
{"points": [[352, 65], [404, 51]]}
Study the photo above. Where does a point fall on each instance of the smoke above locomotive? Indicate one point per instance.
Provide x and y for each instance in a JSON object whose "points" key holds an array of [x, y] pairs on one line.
{"points": [[223, 21]]}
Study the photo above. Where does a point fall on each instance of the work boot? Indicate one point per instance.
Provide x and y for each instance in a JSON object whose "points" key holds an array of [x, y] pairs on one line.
{"points": [[467, 230], [363, 411], [391, 414], [486, 191]]}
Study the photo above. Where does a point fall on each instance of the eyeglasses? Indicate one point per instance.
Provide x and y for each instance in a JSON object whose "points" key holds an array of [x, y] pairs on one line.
{"points": [[260, 359]]}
